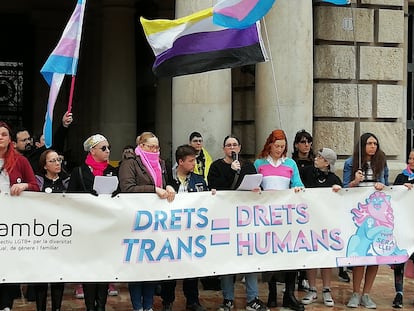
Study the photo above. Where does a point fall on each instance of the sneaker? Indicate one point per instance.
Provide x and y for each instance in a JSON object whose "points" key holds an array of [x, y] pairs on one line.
{"points": [[343, 276], [256, 305], [303, 285], [226, 306], [140, 309], [327, 297], [398, 301], [354, 301], [112, 291], [79, 291], [310, 297], [150, 309], [195, 307], [367, 302], [167, 307]]}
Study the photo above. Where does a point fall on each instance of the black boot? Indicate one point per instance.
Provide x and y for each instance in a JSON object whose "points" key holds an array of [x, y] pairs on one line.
{"points": [[272, 299], [289, 299]]}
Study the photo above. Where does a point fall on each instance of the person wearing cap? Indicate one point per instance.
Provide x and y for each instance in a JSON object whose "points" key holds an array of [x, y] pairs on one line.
{"points": [[203, 159], [82, 180], [321, 174]]}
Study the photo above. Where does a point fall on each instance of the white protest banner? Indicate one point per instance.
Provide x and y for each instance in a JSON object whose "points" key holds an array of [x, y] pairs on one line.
{"points": [[81, 237]]}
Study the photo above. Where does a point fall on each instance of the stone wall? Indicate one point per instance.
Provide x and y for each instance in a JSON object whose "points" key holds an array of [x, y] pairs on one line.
{"points": [[360, 77]]}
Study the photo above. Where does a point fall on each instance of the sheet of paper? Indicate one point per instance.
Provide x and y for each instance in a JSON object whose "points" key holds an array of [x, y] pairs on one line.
{"points": [[105, 184], [251, 182]]}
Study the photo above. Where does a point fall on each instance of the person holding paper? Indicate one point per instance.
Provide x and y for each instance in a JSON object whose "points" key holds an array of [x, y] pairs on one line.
{"points": [[226, 174], [279, 173], [145, 172], [82, 180]]}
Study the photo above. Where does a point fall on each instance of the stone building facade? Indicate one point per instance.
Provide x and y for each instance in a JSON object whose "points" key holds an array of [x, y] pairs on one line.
{"points": [[360, 66]]}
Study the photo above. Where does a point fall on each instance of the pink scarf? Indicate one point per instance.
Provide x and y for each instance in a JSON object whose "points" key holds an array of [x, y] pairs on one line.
{"points": [[151, 161], [97, 167]]}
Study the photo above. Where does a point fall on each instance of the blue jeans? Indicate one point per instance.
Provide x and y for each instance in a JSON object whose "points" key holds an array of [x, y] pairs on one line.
{"points": [[227, 285], [141, 294]]}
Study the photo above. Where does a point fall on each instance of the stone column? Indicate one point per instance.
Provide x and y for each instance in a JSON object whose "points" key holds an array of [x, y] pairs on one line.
{"points": [[201, 102], [118, 81], [284, 84]]}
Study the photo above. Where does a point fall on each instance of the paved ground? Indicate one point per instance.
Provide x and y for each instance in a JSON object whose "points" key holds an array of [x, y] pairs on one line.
{"points": [[382, 294]]}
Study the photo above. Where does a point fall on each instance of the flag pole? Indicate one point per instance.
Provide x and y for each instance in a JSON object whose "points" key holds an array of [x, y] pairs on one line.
{"points": [[72, 89]]}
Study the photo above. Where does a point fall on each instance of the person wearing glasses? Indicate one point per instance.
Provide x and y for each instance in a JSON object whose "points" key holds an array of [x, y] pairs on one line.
{"points": [[32, 149], [145, 172], [302, 149], [303, 156], [321, 174], [226, 174], [203, 159], [367, 167], [82, 180], [279, 173], [16, 176], [51, 180]]}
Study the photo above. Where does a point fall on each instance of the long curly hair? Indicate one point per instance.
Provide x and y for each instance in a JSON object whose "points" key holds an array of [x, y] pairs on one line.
{"points": [[275, 135]]}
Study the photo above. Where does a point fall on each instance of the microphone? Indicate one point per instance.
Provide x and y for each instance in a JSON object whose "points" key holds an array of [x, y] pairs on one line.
{"points": [[234, 157]]}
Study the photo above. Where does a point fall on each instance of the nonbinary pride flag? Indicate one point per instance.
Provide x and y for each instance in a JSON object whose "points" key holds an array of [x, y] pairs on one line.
{"points": [[63, 61], [194, 44], [240, 13]]}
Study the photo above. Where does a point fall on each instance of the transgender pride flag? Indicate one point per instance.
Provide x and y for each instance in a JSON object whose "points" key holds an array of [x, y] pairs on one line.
{"points": [[338, 2], [63, 61], [240, 13]]}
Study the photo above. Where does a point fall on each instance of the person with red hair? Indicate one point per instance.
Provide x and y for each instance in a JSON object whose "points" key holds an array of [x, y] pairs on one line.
{"points": [[279, 173], [16, 176]]}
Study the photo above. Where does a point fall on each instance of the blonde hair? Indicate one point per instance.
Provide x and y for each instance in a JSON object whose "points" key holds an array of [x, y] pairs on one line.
{"points": [[143, 137]]}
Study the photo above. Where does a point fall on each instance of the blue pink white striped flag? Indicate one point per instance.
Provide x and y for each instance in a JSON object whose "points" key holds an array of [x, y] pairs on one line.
{"points": [[63, 61], [240, 13], [338, 2]]}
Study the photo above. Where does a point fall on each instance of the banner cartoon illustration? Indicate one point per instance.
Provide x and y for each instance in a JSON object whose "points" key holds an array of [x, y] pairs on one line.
{"points": [[140, 237]]}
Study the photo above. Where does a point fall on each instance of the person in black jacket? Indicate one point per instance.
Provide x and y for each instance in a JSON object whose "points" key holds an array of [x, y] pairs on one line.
{"points": [[321, 174], [50, 180], [82, 180], [183, 179], [227, 174], [406, 178]]}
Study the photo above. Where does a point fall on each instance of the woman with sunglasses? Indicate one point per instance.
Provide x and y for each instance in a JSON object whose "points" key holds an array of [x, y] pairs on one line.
{"points": [[51, 180], [145, 172], [82, 180], [302, 149]]}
